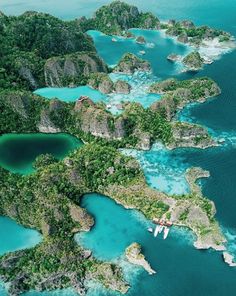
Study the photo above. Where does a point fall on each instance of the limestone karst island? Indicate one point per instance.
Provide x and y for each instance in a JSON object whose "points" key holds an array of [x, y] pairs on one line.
{"points": [[117, 148]]}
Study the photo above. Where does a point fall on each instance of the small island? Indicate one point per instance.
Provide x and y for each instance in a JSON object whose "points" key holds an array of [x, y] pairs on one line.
{"points": [[229, 259]]}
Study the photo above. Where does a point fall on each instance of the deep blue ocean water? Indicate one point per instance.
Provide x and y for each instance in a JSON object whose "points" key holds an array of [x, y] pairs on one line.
{"points": [[182, 270]]}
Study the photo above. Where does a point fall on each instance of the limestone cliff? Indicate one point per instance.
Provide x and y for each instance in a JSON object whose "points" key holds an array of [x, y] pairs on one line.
{"points": [[190, 135], [73, 69], [97, 121], [193, 61]]}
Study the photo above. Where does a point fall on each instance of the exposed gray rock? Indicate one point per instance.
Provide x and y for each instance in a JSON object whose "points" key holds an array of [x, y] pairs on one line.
{"points": [[183, 38], [101, 82], [97, 121], [122, 87], [46, 125], [187, 24], [130, 63], [140, 40], [229, 259], [71, 70]]}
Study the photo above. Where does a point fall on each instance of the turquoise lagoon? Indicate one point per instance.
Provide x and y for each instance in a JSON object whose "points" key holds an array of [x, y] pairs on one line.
{"points": [[19, 151], [157, 49], [69, 94], [182, 270], [15, 237]]}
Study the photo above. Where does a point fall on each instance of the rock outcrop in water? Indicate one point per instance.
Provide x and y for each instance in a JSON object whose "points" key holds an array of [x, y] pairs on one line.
{"points": [[229, 259], [187, 32], [140, 40], [177, 94], [122, 87], [193, 61], [103, 83], [134, 256], [174, 57], [130, 63]]}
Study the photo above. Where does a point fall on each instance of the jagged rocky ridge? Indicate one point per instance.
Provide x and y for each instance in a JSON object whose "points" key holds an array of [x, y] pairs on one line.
{"points": [[135, 127]]}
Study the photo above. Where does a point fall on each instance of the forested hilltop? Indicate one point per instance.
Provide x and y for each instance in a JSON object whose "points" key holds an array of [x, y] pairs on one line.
{"points": [[37, 47]]}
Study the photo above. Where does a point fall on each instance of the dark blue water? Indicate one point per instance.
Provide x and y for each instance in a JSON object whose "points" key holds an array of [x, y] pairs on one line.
{"points": [[19, 151]]}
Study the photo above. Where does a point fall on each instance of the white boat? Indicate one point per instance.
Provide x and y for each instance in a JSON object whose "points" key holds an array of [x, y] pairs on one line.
{"points": [[156, 230], [166, 232], [142, 52], [109, 106], [161, 228], [150, 229], [113, 40]]}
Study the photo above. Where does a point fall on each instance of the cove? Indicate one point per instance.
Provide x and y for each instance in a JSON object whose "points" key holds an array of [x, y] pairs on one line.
{"points": [[14, 237], [157, 48], [18, 151], [69, 94], [175, 259]]}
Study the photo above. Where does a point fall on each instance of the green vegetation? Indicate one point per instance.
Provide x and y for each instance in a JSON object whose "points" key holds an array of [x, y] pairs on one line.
{"points": [[118, 17], [195, 35], [29, 40], [193, 61], [176, 94], [129, 63], [147, 120]]}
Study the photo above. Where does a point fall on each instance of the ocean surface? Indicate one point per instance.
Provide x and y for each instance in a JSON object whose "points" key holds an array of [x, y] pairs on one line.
{"points": [[181, 270]]}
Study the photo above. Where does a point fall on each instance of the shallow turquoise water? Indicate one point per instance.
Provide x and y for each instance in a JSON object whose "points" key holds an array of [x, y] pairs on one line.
{"points": [[182, 270], [15, 237], [19, 151], [156, 55], [70, 94]]}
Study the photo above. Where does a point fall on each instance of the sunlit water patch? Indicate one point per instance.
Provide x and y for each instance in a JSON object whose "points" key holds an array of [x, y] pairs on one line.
{"points": [[19, 151], [70, 94], [140, 83], [14, 237]]}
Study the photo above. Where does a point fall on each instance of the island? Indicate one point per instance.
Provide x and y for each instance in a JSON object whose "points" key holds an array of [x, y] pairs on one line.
{"points": [[39, 50]]}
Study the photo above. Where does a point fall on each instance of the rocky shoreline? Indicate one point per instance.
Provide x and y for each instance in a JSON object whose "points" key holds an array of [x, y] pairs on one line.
{"points": [[134, 256], [229, 259]]}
